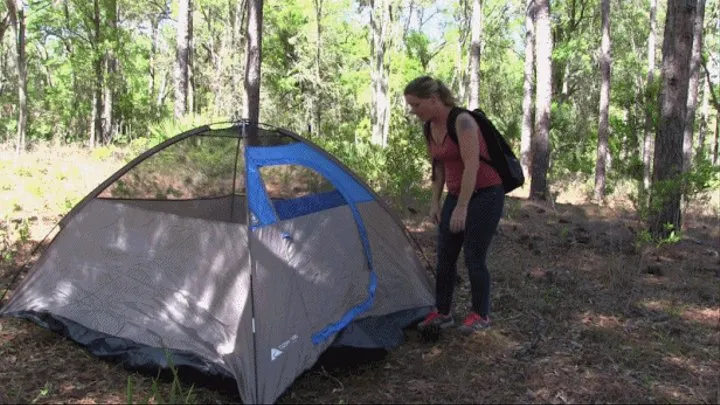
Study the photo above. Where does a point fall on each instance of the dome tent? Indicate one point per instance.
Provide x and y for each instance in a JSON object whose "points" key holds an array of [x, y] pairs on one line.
{"points": [[240, 250]]}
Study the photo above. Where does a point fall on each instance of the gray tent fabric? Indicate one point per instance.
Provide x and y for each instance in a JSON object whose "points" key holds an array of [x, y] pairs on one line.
{"points": [[161, 271]]}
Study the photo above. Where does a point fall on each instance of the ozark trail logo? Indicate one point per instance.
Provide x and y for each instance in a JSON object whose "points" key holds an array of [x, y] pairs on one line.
{"points": [[276, 352]]}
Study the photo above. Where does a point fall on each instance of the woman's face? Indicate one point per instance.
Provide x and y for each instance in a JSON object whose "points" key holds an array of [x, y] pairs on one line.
{"points": [[423, 108]]}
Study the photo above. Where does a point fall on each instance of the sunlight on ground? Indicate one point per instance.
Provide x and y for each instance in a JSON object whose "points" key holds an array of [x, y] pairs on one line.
{"points": [[656, 305], [49, 181], [600, 321], [705, 316]]}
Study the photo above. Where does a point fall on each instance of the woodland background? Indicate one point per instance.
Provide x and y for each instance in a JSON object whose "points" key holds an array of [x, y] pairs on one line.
{"points": [[576, 85]]}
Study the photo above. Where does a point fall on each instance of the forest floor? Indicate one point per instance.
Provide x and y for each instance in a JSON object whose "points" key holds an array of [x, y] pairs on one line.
{"points": [[582, 313]]}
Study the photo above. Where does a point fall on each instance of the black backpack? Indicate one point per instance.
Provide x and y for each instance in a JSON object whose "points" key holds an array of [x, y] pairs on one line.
{"points": [[502, 158]]}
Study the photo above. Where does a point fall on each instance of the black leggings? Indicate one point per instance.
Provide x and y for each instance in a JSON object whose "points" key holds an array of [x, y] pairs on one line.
{"points": [[484, 212]]}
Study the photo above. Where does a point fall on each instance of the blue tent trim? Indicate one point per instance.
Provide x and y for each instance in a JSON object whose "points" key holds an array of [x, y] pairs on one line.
{"points": [[349, 192], [297, 154]]}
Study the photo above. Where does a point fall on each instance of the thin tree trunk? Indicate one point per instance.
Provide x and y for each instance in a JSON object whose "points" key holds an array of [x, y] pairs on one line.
{"points": [[459, 71], [191, 62], [648, 139], [162, 92], [16, 14], [716, 104], [239, 41], [673, 103], [715, 160], [97, 128], [543, 100], [528, 90], [695, 60], [603, 151], [253, 60], [217, 58], [154, 33], [315, 124], [182, 58], [379, 117], [109, 120], [704, 121], [475, 36]]}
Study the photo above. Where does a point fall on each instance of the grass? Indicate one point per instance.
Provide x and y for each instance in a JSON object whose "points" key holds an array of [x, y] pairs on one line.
{"points": [[583, 311]]}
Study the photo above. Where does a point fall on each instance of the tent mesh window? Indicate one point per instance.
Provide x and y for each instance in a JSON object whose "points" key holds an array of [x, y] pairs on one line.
{"points": [[297, 190], [199, 176]]}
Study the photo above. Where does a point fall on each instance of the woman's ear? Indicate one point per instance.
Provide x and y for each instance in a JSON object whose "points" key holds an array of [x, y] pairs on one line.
{"points": [[436, 100]]}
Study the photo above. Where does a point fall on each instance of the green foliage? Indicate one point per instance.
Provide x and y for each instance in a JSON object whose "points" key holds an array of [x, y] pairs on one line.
{"points": [[44, 392], [573, 151], [317, 71], [397, 170]]}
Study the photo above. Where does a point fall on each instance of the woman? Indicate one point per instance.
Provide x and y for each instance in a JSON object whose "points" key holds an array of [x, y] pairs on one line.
{"points": [[471, 211]]}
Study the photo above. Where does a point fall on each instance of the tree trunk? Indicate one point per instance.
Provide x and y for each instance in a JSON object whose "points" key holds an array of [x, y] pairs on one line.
{"points": [[648, 139], [475, 35], [155, 34], [673, 108], [110, 86], [543, 100], [710, 96], [715, 160], [528, 90], [239, 41], [315, 111], [702, 131], [191, 62], [380, 109], [16, 14], [253, 60], [182, 59], [695, 59], [603, 151], [97, 128], [459, 71]]}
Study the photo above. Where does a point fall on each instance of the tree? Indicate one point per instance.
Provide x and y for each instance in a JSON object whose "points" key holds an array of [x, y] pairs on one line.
{"points": [[475, 37], [666, 193], [528, 89], [109, 119], [648, 139], [543, 100], [603, 151], [695, 60], [317, 84], [716, 103], [16, 13], [182, 58], [380, 23], [253, 59]]}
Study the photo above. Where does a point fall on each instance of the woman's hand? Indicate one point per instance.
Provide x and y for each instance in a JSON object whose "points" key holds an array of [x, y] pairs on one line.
{"points": [[457, 220], [434, 213]]}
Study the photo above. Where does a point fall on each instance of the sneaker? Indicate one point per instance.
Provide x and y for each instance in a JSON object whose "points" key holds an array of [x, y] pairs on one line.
{"points": [[473, 323], [436, 319]]}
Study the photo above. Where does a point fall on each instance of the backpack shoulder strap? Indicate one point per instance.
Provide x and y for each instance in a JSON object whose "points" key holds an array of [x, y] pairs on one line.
{"points": [[452, 133], [452, 118]]}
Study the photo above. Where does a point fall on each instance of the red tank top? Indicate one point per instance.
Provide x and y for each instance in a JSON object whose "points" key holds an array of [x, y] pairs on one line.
{"points": [[448, 153]]}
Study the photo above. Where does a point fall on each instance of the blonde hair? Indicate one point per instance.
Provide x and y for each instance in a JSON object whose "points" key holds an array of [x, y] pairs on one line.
{"points": [[426, 87]]}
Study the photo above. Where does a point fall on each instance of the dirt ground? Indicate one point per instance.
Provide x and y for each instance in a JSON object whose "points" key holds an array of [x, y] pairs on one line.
{"points": [[582, 313]]}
